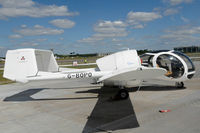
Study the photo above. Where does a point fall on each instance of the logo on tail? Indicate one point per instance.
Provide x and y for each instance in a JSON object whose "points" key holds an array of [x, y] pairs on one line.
{"points": [[23, 58]]}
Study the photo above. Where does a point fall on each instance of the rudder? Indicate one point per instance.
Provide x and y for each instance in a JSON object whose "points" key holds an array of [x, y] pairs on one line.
{"points": [[22, 63]]}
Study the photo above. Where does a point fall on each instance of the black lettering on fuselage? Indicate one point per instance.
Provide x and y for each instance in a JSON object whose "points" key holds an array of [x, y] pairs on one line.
{"points": [[80, 75], [89, 74], [77, 75], [69, 76]]}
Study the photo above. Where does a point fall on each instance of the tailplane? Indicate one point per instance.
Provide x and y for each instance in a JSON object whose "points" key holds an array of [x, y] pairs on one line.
{"points": [[22, 63]]}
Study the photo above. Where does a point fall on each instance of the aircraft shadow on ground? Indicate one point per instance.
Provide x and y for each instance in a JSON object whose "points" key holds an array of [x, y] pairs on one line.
{"points": [[26, 96], [157, 88], [108, 114]]}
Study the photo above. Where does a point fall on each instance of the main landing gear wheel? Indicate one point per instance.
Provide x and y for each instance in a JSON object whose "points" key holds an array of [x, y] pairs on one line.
{"points": [[179, 84], [123, 94]]}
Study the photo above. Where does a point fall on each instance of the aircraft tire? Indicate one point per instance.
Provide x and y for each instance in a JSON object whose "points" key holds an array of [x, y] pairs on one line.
{"points": [[123, 94], [179, 84]]}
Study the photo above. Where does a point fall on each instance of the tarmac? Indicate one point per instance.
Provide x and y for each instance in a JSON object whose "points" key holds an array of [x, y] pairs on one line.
{"points": [[79, 107]]}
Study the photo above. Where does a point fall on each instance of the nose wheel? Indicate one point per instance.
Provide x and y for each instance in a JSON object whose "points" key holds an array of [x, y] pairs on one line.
{"points": [[179, 84], [122, 94]]}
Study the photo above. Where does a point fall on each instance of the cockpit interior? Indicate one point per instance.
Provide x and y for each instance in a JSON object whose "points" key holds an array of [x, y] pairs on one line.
{"points": [[176, 63]]}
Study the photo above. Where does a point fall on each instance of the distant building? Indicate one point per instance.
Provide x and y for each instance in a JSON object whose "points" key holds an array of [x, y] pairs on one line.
{"points": [[103, 54], [188, 49]]}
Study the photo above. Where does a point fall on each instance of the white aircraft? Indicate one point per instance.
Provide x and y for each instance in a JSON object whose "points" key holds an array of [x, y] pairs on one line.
{"points": [[123, 69]]}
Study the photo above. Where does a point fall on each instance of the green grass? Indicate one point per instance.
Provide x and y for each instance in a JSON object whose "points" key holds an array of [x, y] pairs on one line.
{"points": [[3, 80], [79, 58], [193, 54]]}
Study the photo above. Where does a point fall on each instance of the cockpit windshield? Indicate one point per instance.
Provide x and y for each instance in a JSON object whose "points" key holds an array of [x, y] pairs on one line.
{"points": [[147, 60], [187, 60], [173, 65]]}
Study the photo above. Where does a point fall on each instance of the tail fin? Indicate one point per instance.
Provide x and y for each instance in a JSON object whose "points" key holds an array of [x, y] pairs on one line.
{"points": [[22, 63], [119, 60]]}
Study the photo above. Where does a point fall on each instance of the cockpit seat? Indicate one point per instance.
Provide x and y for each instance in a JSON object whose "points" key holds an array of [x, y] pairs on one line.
{"points": [[169, 73]]}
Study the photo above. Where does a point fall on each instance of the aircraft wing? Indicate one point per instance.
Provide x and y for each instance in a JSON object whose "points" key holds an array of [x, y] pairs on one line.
{"points": [[132, 74]]}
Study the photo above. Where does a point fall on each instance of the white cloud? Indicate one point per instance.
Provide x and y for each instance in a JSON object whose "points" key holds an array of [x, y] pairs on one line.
{"points": [[41, 39], [91, 39], [107, 29], [138, 26], [177, 2], [171, 11], [38, 30], [15, 36], [185, 19], [115, 40], [138, 18], [184, 35], [30, 44], [17, 8], [111, 24], [61, 38], [62, 23], [23, 26], [114, 29], [17, 3], [37, 26], [119, 44], [110, 35], [184, 30], [157, 9], [110, 29]]}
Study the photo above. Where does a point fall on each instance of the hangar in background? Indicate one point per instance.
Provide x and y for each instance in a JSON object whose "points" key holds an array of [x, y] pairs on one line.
{"points": [[188, 49]]}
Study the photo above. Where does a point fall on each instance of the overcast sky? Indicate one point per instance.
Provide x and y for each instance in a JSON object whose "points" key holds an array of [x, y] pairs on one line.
{"points": [[90, 26]]}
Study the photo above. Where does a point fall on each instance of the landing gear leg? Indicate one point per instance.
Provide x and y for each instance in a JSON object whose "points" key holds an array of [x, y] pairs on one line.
{"points": [[122, 94], [179, 84]]}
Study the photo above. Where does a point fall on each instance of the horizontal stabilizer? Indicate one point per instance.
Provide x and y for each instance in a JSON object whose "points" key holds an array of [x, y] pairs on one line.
{"points": [[46, 76], [21, 80], [23, 63]]}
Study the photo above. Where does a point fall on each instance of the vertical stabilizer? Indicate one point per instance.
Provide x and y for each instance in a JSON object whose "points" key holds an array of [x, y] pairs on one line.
{"points": [[119, 60], [22, 63]]}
